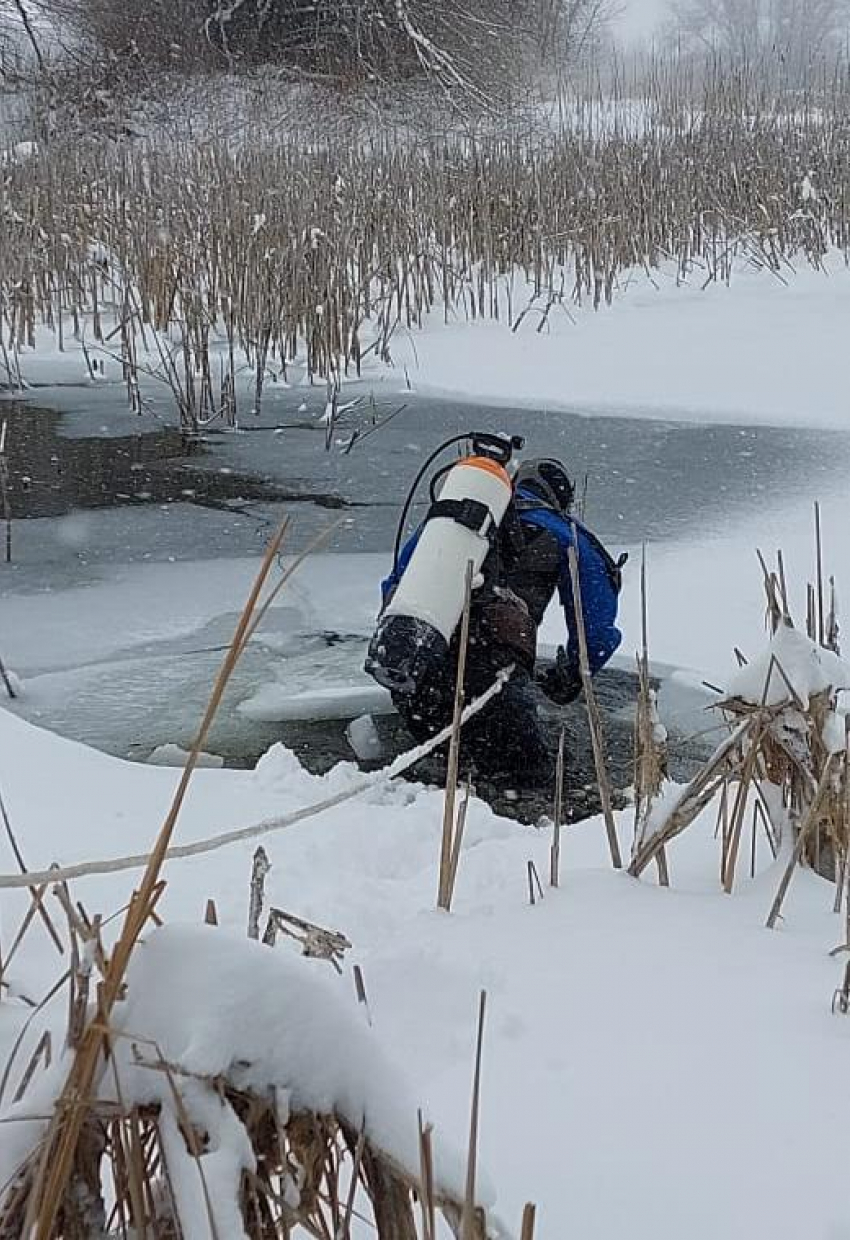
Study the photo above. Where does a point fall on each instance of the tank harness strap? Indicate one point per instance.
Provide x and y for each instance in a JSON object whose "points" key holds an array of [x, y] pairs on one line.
{"points": [[470, 513]]}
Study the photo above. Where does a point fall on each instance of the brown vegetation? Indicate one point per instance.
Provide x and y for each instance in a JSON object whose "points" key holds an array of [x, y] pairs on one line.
{"points": [[189, 259]]}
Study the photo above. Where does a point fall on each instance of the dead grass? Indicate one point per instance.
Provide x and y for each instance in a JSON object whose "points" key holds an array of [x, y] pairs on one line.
{"points": [[210, 265], [779, 774]]}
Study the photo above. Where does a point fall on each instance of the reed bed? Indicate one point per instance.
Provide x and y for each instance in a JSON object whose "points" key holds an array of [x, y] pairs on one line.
{"points": [[212, 264], [782, 774]]}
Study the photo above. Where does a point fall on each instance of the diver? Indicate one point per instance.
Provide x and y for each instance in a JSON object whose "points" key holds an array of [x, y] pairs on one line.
{"points": [[515, 526]]}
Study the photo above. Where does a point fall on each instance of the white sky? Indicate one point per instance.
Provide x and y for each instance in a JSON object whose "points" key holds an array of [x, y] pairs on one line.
{"points": [[639, 17]]}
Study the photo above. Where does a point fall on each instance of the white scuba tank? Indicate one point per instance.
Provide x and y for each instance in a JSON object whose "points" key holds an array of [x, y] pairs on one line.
{"points": [[432, 588], [419, 622]]}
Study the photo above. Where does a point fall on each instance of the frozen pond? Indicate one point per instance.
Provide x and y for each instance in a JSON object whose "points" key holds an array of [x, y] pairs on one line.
{"points": [[117, 626], [646, 480]]}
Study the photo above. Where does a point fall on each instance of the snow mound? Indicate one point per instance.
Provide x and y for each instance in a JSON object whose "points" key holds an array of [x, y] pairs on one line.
{"points": [[212, 1004], [808, 668], [265, 1019]]}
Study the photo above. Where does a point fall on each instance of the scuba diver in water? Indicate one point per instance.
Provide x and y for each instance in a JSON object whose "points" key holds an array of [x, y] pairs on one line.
{"points": [[515, 526]]}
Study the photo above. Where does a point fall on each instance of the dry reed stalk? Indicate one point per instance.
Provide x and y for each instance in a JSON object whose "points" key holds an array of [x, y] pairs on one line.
{"points": [[847, 907], [650, 749], [426, 1179], [42, 1050], [7, 682], [841, 996], [745, 777], [6, 503], [529, 1215], [344, 1227], [833, 630], [259, 869], [758, 819], [64, 1130], [468, 1222], [842, 845], [457, 841], [696, 795], [360, 991], [36, 894], [783, 588], [533, 883], [316, 941], [593, 715], [772, 590], [408, 232], [799, 844], [444, 896], [721, 827], [557, 816], [811, 613], [821, 632]]}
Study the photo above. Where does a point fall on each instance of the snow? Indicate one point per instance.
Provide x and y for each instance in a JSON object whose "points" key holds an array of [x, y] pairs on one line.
{"points": [[766, 350], [706, 595], [646, 1044], [808, 670], [19, 153], [263, 1017], [834, 732]]}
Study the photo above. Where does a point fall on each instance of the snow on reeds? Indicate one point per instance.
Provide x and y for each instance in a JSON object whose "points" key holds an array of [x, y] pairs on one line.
{"points": [[783, 770]]}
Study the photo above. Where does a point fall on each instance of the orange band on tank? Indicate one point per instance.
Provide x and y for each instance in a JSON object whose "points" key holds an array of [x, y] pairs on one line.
{"points": [[490, 467]]}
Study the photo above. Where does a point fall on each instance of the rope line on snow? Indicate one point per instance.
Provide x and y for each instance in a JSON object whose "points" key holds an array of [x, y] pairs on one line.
{"points": [[83, 869]]}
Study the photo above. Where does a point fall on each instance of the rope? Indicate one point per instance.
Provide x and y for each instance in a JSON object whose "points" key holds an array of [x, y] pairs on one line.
{"points": [[115, 865]]}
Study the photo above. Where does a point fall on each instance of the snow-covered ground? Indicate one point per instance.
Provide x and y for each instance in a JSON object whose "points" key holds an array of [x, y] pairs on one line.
{"points": [[656, 1063]]}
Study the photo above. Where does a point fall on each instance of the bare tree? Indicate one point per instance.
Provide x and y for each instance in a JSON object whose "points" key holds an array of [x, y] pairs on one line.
{"points": [[19, 40], [469, 45], [798, 31]]}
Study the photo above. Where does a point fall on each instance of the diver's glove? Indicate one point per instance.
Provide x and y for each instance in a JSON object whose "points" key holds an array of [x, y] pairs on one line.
{"points": [[562, 681]]}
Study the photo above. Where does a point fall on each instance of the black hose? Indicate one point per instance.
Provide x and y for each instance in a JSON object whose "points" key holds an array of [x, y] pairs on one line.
{"points": [[436, 479], [499, 447], [447, 443]]}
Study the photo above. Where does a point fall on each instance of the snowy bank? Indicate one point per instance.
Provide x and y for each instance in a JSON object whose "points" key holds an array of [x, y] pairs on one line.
{"points": [[766, 349], [598, 996]]}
